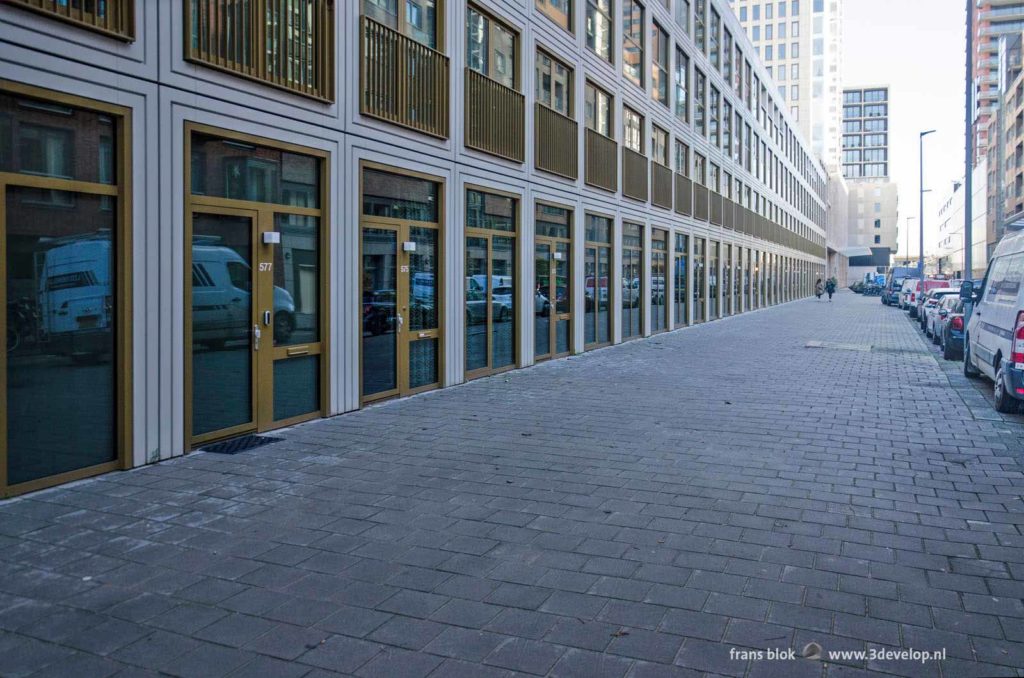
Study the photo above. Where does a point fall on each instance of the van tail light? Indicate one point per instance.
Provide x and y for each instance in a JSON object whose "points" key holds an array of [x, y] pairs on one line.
{"points": [[957, 323], [1018, 341], [913, 297]]}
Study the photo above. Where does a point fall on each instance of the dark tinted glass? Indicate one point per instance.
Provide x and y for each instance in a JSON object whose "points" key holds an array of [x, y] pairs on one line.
{"points": [[399, 197]]}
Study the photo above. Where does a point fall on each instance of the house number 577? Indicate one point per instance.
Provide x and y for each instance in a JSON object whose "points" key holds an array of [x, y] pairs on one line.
{"points": [[266, 266]]}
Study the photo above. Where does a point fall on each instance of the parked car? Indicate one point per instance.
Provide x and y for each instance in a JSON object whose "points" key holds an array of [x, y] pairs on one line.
{"points": [[918, 293], [893, 284], [905, 291], [949, 329], [930, 308], [994, 346]]}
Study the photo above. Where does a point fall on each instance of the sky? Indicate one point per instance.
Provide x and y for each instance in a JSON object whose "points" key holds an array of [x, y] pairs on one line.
{"points": [[917, 48]]}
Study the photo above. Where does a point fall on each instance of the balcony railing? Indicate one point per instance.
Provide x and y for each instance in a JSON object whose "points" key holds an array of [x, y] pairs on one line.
{"points": [[495, 117], [684, 195], [700, 202], [602, 168], [634, 175], [557, 147], [403, 81], [115, 18], [728, 208], [661, 185], [266, 40], [716, 208]]}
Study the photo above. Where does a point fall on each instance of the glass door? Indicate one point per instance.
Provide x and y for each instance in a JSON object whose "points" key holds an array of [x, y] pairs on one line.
{"points": [[223, 330], [699, 281], [679, 290], [490, 304], [553, 299], [400, 315], [659, 264], [253, 350], [597, 263]]}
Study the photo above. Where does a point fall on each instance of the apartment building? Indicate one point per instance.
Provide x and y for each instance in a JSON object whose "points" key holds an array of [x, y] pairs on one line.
{"points": [[949, 253], [993, 19], [224, 218], [873, 200], [801, 45], [1004, 179]]}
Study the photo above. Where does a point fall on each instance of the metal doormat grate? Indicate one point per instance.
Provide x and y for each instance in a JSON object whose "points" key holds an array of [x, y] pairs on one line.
{"points": [[837, 345], [239, 444]]}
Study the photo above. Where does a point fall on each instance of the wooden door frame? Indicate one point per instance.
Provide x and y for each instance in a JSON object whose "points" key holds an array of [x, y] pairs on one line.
{"points": [[121, 191]]}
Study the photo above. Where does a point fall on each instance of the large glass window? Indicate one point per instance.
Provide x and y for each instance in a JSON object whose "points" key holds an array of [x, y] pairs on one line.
{"points": [[598, 110], [490, 47], [714, 31], [713, 117], [62, 222], [679, 287], [682, 84], [554, 84], [491, 282], [699, 102], [597, 262], [633, 41], [552, 281], [700, 13], [713, 249], [659, 63], [632, 280], [632, 130], [559, 11], [659, 282], [683, 15], [659, 145], [599, 28]]}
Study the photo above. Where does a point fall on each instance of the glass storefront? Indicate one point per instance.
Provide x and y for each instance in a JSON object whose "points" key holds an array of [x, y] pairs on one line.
{"points": [[401, 278], [727, 281], [597, 263], [659, 282], [63, 223], [679, 288], [552, 281], [491, 282], [632, 280]]}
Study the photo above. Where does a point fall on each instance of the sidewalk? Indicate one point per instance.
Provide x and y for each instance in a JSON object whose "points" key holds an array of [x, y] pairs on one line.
{"points": [[661, 508]]}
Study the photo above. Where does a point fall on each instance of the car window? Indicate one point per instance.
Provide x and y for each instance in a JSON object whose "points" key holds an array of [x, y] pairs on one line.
{"points": [[1010, 285], [240, 275], [994, 280]]}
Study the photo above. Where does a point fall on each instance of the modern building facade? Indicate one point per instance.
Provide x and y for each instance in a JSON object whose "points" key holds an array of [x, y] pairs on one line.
{"points": [[229, 219], [873, 200], [837, 237], [949, 253], [993, 19], [801, 45], [1005, 152]]}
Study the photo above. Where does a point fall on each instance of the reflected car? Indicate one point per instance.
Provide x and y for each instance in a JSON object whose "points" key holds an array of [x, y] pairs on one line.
{"points": [[541, 304], [379, 311], [601, 292], [476, 308], [221, 299], [630, 292], [503, 298]]}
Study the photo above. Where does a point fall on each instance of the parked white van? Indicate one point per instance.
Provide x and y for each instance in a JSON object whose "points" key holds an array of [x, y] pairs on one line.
{"points": [[994, 345]]}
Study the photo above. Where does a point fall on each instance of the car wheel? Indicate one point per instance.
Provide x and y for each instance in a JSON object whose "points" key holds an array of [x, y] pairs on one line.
{"points": [[1005, 403], [935, 338], [947, 350], [970, 371]]}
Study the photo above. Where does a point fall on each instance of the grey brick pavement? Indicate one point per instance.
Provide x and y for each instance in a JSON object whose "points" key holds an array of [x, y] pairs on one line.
{"points": [[637, 511]]}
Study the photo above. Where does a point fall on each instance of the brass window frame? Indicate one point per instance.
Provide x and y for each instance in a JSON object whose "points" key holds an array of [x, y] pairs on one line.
{"points": [[265, 212], [324, 54], [627, 113], [612, 296], [569, 24], [494, 20], [642, 291], [667, 284], [124, 9], [122, 191], [551, 241], [570, 91], [517, 281], [371, 221], [600, 92]]}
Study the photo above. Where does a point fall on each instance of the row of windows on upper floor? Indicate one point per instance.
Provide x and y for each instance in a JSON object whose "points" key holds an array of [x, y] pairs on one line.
{"points": [[773, 10], [869, 111], [869, 96], [395, 39]]}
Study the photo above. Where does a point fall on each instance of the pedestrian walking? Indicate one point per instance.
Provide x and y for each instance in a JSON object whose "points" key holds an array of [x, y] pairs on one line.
{"points": [[818, 289], [830, 287]]}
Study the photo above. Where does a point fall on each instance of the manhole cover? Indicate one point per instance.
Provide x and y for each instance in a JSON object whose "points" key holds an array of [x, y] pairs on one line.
{"points": [[239, 444], [838, 346]]}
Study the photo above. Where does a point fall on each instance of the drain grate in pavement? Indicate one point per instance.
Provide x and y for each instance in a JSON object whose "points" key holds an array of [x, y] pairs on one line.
{"points": [[919, 351], [240, 444], [838, 346]]}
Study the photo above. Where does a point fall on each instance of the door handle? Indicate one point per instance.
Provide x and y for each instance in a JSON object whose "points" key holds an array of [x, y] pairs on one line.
{"points": [[400, 320], [256, 337], [266, 318]]}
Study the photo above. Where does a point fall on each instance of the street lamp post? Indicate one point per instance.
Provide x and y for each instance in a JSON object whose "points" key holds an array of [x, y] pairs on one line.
{"points": [[920, 216]]}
